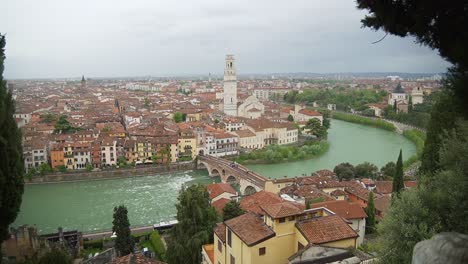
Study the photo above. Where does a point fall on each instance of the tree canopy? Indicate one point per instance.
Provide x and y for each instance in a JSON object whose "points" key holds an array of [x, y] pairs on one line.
{"points": [[121, 226], [398, 184], [195, 228], [344, 171], [11, 155], [232, 209]]}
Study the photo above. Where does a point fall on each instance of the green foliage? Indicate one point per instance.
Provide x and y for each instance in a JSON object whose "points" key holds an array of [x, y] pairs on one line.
{"points": [[48, 118], [89, 167], [106, 129], [31, 173], [366, 170], [121, 226], [406, 222], [63, 126], [370, 211], [284, 153], [195, 228], [158, 245], [178, 117], [417, 137], [44, 168], [232, 209], [364, 121], [315, 127], [290, 118], [11, 155], [122, 162], [343, 98], [398, 184], [62, 168], [443, 117], [56, 256], [344, 171], [415, 117], [147, 103], [388, 170]]}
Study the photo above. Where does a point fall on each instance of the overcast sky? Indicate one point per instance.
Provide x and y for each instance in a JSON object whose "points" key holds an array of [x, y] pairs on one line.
{"points": [[110, 38]]}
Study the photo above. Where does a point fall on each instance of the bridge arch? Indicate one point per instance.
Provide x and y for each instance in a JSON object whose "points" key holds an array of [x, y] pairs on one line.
{"points": [[214, 172], [249, 190], [231, 179]]}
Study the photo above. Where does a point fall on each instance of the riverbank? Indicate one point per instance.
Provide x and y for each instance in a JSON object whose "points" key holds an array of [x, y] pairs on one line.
{"points": [[363, 120], [111, 174], [273, 154], [418, 138]]}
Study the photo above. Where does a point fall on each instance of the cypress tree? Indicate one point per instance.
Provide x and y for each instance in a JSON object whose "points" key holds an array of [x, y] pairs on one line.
{"points": [[370, 211], [121, 226], [398, 183], [11, 155]]}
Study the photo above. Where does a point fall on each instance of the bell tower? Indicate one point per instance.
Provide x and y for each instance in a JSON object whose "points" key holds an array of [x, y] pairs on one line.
{"points": [[230, 87]]}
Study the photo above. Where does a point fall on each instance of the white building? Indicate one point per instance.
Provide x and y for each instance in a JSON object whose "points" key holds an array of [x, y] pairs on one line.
{"points": [[417, 95], [226, 144], [230, 87], [398, 95], [109, 152], [251, 108]]}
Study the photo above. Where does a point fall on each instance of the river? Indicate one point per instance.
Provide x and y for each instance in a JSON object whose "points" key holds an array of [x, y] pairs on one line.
{"points": [[87, 206]]}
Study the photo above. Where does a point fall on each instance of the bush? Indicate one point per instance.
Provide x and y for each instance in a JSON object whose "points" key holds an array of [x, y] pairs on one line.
{"points": [[418, 138], [364, 121], [158, 245], [284, 153]]}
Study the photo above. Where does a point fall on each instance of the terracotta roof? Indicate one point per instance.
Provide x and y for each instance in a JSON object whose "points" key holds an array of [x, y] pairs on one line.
{"points": [[253, 202], [209, 249], [382, 203], [135, 259], [386, 187], [309, 112], [411, 184], [217, 189], [244, 133], [344, 209], [325, 229], [356, 189], [220, 231], [338, 192], [250, 229], [219, 205], [282, 209], [383, 187]]}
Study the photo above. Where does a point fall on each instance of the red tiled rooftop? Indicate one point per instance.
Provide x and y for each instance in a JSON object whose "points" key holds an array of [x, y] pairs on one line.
{"points": [[344, 209], [250, 228], [325, 229], [253, 202], [282, 209], [219, 205], [217, 189]]}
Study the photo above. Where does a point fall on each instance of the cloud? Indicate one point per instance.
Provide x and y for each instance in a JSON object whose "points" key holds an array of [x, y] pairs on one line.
{"points": [[58, 38]]}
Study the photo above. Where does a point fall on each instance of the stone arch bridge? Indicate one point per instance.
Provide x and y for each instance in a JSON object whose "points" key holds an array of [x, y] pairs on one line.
{"points": [[229, 172]]}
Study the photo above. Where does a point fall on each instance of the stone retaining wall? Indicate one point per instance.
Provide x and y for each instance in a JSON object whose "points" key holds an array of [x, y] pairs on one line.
{"points": [[111, 174]]}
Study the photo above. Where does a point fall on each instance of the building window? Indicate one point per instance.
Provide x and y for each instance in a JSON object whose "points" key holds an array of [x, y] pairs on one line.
{"points": [[291, 218], [229, 237], [282, 220], [220, 246], [262, 251], [233, 260]]}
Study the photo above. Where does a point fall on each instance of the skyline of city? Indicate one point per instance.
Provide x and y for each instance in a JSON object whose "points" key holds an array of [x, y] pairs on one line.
{"points": [[161, 39]]}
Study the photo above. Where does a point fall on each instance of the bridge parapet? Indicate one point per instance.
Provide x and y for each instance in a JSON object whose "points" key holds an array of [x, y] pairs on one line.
{"points": [[227, 168]]}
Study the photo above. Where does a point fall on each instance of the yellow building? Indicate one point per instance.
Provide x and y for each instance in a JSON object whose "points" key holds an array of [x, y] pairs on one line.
{"points": [[187, 143], [284, 230]]}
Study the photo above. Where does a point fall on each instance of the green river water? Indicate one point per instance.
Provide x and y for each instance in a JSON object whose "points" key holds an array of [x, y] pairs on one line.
{"points": [[87, 206]]}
